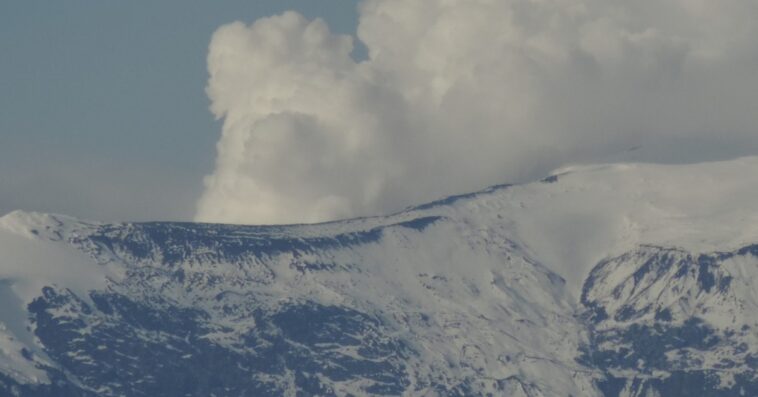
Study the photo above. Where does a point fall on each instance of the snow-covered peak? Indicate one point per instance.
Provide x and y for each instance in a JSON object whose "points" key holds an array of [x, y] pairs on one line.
{"points": [[584, 214], [37, 224], [569, 221], [36, 251]]}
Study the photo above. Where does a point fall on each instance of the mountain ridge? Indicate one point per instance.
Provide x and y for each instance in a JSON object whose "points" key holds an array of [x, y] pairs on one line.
{"points": [[530, 290]]}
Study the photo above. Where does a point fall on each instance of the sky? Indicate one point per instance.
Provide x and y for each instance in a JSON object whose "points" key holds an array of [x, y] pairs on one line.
{"points": [[103, 111], [138, 111]]}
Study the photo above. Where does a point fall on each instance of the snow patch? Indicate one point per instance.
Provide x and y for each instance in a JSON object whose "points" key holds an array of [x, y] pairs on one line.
{"points": [[35, 254]]}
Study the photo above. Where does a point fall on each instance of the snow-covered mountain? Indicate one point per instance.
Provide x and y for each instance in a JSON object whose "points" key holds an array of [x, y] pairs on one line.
{"points": [[617, 280]]}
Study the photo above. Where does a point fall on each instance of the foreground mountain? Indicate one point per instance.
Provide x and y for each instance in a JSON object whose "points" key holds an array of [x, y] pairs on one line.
{"points": [[624, 280]]}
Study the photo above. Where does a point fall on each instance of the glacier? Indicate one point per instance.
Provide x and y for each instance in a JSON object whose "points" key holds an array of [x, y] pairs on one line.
{"points": [[600, 280]]}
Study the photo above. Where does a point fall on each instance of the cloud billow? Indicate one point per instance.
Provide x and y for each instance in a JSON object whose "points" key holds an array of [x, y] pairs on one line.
{"points": [[457, 95]]}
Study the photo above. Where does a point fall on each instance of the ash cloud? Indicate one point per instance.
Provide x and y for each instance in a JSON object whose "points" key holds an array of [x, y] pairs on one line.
{"points": [[458, 95]]}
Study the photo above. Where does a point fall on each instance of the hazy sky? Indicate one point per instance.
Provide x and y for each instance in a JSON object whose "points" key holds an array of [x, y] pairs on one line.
{"points": [[108, 108], [103, 111]]}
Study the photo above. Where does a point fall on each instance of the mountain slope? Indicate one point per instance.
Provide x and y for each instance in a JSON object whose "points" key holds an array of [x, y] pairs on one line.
{"points": [[623, 280]]}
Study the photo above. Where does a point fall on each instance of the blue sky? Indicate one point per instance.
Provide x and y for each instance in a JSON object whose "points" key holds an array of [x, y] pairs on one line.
{"points": [[103, 112]]}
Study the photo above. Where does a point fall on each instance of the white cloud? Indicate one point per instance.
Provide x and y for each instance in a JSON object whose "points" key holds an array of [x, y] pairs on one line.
{"points": [[459, 94]]}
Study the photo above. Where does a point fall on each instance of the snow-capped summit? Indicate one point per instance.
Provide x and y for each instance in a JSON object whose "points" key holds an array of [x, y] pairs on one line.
{"points": [[609, 280], [28, 223]]}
